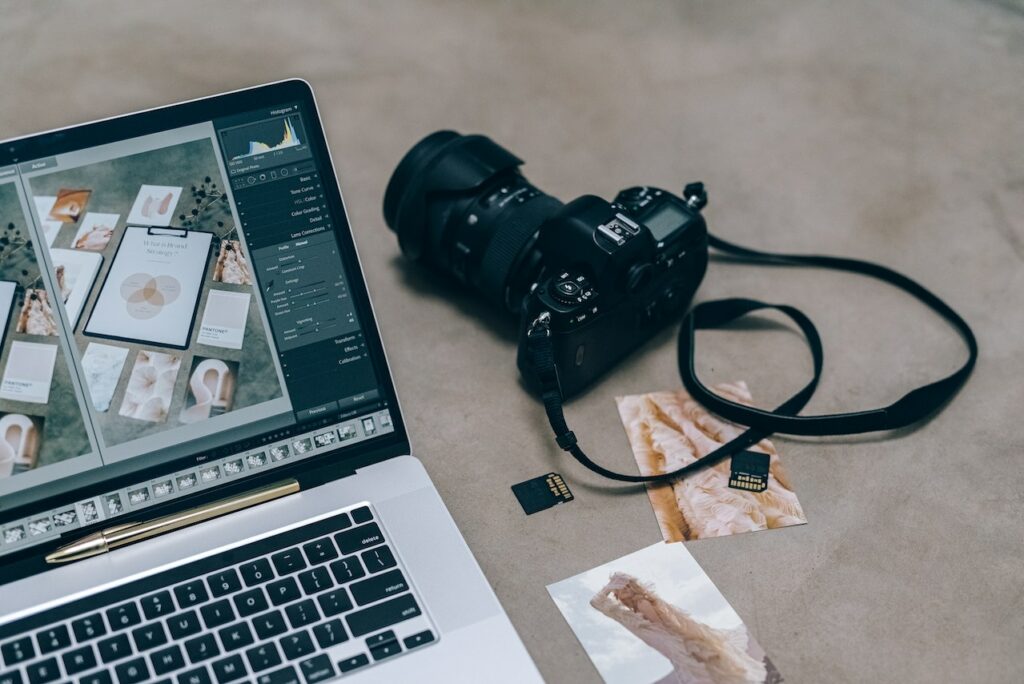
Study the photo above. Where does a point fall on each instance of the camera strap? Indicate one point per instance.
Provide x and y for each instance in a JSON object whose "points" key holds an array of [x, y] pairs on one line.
{"points": [[912, 407]]}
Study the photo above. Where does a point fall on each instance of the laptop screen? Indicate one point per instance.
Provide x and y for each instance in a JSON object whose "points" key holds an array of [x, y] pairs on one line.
{"points": [[180, 310]]}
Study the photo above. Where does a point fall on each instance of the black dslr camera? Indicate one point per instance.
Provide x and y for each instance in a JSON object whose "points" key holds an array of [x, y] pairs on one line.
{"points": [[601, 277]]}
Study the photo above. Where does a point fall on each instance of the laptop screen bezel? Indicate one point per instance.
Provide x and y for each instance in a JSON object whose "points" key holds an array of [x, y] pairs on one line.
{"points": [[328, 466]]}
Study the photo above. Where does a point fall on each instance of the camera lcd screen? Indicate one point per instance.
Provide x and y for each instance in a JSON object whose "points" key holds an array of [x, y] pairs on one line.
{"points": [[665, 219]]}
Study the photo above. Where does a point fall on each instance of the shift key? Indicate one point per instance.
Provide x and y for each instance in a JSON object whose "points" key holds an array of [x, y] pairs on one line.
{"points": [[382, 615], [359, 538]]}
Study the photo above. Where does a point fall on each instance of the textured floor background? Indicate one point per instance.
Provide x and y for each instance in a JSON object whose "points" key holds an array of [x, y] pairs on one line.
{"points": [[889, 131]]}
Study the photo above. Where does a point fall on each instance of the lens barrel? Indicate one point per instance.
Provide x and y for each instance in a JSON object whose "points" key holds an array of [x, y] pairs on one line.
{"points": [[460, 204]]}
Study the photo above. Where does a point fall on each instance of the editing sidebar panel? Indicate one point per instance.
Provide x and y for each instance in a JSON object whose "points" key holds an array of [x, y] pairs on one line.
{"points": [[287, 226]]}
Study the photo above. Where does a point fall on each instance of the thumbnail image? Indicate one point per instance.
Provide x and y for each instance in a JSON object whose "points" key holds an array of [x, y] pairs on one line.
{"points": [[232, 266], [150, 386], [256, 460], [40, 526], [368, 427], [668, 430], [14, 534], [326, 438], [186, 481], [75, 274], [95, 232], [138, 496], [211, 389], [28, 373], [112, 502], [210, 474], [69, 205], [347, 432], [234, 467], [154, 205], [655, 616], [279, 452], [303, 445], [65, 518], [36, 316], [90, 512], [385, 421], [102, 364], [163, 488], [20, 439], [224, 319]]}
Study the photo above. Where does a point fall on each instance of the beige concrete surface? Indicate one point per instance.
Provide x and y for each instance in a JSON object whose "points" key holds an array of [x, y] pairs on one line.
{"points": [[889, 131]]}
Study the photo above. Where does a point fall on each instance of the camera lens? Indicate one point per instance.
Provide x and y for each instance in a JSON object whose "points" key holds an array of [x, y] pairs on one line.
{"points": [[460, 204]]}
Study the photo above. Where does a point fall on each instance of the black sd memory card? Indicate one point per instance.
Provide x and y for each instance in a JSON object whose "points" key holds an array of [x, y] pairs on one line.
{"points": [[542, 493], [750, 471]]}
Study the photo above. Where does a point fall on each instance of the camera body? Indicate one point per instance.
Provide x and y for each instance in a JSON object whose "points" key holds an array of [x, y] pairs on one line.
{"points": [[614, 275]]}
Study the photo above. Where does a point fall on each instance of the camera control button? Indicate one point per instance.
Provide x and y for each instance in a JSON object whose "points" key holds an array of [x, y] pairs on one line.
{"points": [[567, 291]]}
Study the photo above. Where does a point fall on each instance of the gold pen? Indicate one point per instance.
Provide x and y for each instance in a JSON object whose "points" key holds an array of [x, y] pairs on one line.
{"points": [[122, 535]]}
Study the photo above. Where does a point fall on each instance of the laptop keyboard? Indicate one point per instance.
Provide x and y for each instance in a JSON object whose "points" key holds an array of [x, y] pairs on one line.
{"points": [[303, 606]]}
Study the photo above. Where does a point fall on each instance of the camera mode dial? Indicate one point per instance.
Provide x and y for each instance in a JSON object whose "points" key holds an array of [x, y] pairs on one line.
{"points": [[571, 289]]}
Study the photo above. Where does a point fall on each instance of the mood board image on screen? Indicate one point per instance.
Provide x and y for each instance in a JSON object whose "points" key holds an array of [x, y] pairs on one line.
{"points": [[140, 271]]}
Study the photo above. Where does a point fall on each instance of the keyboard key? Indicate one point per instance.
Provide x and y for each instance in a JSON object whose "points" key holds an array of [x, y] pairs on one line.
{"points": [[236, 636], [316, 580], [201, 648], [250, 602], [286, 675], [183, 624], [196, 676], [114, 648], [317, 669], [224, 582], [18, 651], [380, 586], [392, 648], [256, 572], [347, 569], [157, 605], [382, 615], [132, 671], [296, 645], [43, 671], [88, 627], [320, 551], [378, 559], [229, 669], [419, 639], [98, 677], [167, 659], [12, 677], [123, 616], [283, 591], [289, 561], [217, 613], [359, 538], [354, 662], [269, 624], [53, 639], [149, 636], [362, 515], [382, 638], [263, 656], [334, 602], [302, 613], [79, 660], [330, 633], [191, 593]]}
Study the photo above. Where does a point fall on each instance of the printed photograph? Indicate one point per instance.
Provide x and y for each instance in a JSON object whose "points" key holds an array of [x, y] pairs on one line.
{"points": [[102, 364], [43, 206], [95, 232], [668, 430], [69, 205], [36, 317], [211, 389], [154, 205], [75, 273], [151, 386], [232, 266], [655, 616], [20, 439]]}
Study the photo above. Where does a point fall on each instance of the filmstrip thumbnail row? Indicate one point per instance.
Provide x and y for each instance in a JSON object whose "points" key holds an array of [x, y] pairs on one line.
{"points": [[39, 528]]}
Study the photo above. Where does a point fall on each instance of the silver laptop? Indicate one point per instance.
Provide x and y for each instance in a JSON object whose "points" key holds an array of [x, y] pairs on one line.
{"points": [[186, 323]]}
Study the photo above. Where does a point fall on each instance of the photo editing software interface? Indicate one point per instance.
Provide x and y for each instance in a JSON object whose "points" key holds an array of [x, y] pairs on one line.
{"points": [[175, 298]]}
